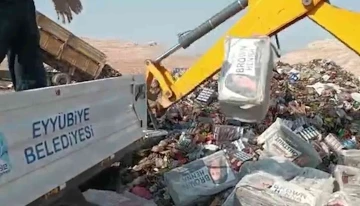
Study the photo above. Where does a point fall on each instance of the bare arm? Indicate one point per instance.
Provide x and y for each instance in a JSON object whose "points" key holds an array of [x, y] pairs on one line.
{"points": [[66, 8]]}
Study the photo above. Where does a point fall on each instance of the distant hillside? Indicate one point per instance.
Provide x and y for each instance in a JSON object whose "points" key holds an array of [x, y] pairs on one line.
{"points": [[327, 49], [129, 57]]}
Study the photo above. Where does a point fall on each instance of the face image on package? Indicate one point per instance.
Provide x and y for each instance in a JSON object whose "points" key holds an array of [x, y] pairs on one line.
{"points": [[242, 73], [202, 177], [245, 77]]}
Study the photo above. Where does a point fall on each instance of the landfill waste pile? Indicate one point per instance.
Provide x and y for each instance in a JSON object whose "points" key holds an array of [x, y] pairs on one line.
{"points": [[305, 152], [108, 72]]}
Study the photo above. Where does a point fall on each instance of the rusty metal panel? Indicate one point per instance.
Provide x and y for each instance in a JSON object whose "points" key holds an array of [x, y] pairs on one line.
{"points": [[66, 47]]}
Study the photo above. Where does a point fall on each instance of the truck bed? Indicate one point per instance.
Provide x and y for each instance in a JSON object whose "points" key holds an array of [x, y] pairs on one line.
{"points": [[55, 138], [68, 53]]}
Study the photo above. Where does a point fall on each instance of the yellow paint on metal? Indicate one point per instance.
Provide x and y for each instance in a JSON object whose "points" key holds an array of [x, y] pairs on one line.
{"points": [[341, 23], [263, 17]]}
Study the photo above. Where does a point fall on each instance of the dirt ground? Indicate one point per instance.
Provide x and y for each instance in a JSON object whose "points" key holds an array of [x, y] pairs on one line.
{"points": [[129, 57], [327, 49]]}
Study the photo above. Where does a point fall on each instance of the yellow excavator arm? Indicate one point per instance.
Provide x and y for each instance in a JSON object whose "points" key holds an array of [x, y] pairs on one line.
{"points": [[264, 17]]}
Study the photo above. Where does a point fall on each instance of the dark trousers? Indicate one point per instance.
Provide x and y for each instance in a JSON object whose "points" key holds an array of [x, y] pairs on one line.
{"points": [[19, 40]]}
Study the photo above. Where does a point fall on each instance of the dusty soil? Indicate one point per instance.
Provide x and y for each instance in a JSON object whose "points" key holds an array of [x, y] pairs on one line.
{"points": [[327, 49], [129, 57]]}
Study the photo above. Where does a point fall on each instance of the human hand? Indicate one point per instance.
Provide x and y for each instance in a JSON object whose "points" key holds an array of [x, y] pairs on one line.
{"points": [[65, 9]]}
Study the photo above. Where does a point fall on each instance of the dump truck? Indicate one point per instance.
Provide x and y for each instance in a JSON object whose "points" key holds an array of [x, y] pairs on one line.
{"points": [[53, 139], [68, 57], [73, 57]]}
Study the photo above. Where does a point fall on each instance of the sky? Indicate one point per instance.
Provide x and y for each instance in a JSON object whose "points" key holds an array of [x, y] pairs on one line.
{"points": [[143, 21]]}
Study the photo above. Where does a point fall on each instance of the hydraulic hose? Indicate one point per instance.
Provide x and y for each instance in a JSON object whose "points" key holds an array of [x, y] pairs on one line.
{"points": [[185, 40]]}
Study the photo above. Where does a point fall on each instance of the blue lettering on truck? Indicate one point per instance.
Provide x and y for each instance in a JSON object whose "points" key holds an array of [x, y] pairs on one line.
{"points": [[5, 165], [50, 146]]}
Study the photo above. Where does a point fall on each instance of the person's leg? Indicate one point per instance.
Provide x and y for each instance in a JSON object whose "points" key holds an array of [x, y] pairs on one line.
{"points": [[8, 27], [29, 69], [11, 58]]}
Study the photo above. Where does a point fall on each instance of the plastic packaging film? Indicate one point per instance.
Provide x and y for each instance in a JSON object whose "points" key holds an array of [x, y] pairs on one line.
{"points": [[244, 83]]}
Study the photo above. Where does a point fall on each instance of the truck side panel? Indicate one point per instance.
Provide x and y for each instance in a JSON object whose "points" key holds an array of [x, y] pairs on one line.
{"points": [[49, 136]]}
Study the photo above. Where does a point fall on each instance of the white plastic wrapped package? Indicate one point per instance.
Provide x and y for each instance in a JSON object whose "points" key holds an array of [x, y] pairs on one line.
{"points": [[276, 166], [258, 179], [349, 157], [348, 179], [244, 83], [313, 179], [342, 199], [200, 178], [267, 190], [282, 141]]}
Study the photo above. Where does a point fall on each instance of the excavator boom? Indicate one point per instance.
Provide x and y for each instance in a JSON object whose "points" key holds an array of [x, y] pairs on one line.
{"points": [[263, 17]]}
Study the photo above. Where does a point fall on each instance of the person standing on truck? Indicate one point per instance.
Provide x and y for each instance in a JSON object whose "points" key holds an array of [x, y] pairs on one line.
{"points": [[19, 39]]}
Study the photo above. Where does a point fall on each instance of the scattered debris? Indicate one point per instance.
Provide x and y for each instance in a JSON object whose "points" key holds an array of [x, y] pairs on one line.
{"points": [[307, 144]]}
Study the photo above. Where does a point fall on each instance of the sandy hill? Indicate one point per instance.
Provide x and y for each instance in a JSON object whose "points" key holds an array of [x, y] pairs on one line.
{"points": [[129, 57], [327, 49]]}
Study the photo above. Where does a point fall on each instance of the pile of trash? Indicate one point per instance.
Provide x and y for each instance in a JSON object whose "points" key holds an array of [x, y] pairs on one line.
{"points": [[305, 152]]}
